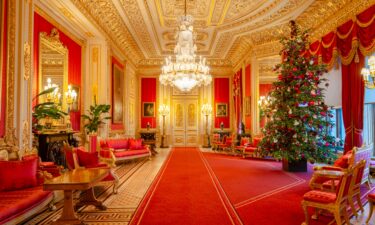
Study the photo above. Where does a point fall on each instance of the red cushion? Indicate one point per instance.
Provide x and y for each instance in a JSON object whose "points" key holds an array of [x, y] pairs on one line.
{"points": [[69, 159], [87, 159], [320, 196], [15, 203], [47, 164], [256, 141], [105, 153], [18, 174], [120, 154], [118, 143], [371, 196], [341, 162], [328, 184], [250, 149], [135, 144], [98, 165], [103, 144]]}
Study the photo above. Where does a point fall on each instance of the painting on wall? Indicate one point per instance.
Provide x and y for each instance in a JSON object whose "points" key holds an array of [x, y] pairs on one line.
{"points": [[117, 94], [221, 110], [148, 109]]}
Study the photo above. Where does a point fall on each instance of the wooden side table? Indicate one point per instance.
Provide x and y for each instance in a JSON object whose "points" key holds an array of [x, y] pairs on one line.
{"points": [[78, 179], [149, 138]]}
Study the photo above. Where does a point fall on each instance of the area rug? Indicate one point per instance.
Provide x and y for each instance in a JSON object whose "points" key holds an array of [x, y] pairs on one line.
{"points": [[184, 192], [261, 192]]}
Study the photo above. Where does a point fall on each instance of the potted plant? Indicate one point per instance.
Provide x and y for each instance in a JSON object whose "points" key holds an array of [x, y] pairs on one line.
{"points": [[94, 120], [47, 110]]}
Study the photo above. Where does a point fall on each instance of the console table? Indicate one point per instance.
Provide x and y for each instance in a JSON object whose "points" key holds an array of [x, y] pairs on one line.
{"points": [[51, 143], [149, 138], [222, 133]]}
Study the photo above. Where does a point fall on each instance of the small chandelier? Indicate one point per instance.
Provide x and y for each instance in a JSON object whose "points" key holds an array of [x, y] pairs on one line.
{"points": [[369, 73], [184, 71]]}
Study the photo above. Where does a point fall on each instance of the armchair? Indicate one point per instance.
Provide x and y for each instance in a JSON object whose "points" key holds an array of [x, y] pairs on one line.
{"points": [[335, 202], [77, 158], [226, 144], [252, 148], [215, 141]]}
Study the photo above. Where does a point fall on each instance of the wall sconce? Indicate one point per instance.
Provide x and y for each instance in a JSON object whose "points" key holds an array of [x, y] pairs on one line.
{"points": [[55, 95], [206, 111], [71, 97], [164, 111]]}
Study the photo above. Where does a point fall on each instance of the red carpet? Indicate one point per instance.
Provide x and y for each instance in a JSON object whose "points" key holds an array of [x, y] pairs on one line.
{"points": [[261, 192], [184, 192]]}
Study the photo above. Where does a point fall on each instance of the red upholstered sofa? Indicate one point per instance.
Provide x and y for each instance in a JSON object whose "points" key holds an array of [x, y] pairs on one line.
{"points": [[122, 149], [21, 190]]}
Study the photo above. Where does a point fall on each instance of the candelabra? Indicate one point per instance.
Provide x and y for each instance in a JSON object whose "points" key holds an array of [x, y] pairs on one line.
{"points": [[369, 73], [164, 111], [53, 96], [206, 111], [71, 96]]}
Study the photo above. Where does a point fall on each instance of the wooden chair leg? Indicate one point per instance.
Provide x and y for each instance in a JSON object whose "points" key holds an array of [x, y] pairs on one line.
{"points": [[351, 203], [346, 216], [359, 202], [304, 207], [338, 217], [370, 211]]}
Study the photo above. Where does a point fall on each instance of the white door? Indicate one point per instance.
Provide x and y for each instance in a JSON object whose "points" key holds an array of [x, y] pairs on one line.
{"points": [[185, 122]]}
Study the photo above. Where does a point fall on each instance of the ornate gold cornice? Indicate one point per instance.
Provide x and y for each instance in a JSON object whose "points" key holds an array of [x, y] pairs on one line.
{"points": [[107, 19]]}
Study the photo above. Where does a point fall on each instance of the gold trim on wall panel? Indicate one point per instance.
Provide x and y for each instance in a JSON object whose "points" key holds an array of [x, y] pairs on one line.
{"points": [[9, 137], [58, 26]]}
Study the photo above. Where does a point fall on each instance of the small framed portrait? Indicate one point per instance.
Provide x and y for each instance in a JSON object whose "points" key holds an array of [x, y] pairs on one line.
{"points": [[77, 102], [221, 109], [148, 109]]}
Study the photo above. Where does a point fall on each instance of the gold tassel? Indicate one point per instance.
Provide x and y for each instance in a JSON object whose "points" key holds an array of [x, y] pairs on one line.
{"points": [[356, 57]]}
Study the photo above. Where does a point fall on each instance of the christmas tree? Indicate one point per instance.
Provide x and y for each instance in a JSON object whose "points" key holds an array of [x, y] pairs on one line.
{"points": [[298, 119]]}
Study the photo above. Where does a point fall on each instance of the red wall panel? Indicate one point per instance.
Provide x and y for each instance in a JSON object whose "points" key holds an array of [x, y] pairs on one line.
{"points": [[115, 126], [221, 95], [74, 62], [264, 89], [148, 94], [3, 70]]}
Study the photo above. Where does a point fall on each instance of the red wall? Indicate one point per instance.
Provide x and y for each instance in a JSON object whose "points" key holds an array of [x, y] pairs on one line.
{"points": [[148, 94], [74, 63], [248, 93], [115, 126], [264, 89], [221, 95], [3, 70]]}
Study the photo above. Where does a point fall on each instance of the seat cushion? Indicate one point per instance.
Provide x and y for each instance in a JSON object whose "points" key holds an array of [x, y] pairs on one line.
{"points": [[250, 149], [18, 174], [15, 203], [328, 184], [120, 154], [320, 196]]}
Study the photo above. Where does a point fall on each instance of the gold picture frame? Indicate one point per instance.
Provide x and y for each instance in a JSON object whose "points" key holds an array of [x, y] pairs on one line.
{"points": [[148, 109], [117, 94], [221, 110]]}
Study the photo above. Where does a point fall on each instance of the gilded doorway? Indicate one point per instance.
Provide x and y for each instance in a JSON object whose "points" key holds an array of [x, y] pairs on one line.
{"points": [[185, 122]]}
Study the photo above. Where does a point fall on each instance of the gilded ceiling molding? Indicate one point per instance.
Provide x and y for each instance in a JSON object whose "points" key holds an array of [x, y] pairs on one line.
{"points": [[105, 15], [134, 15]]}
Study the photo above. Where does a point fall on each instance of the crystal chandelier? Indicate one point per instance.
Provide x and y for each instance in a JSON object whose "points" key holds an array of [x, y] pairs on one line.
{"points": [[369, 73], [185, 71]]}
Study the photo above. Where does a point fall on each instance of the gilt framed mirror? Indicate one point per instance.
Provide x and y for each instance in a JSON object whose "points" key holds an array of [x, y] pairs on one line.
{"points": [[53, 66]]}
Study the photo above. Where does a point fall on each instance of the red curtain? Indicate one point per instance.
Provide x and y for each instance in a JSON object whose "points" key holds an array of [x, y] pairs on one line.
{"points": [[3, 69], [221, 95], [148, 95], [115, 126], [248, 95], [351, 42], [74, 62]]}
